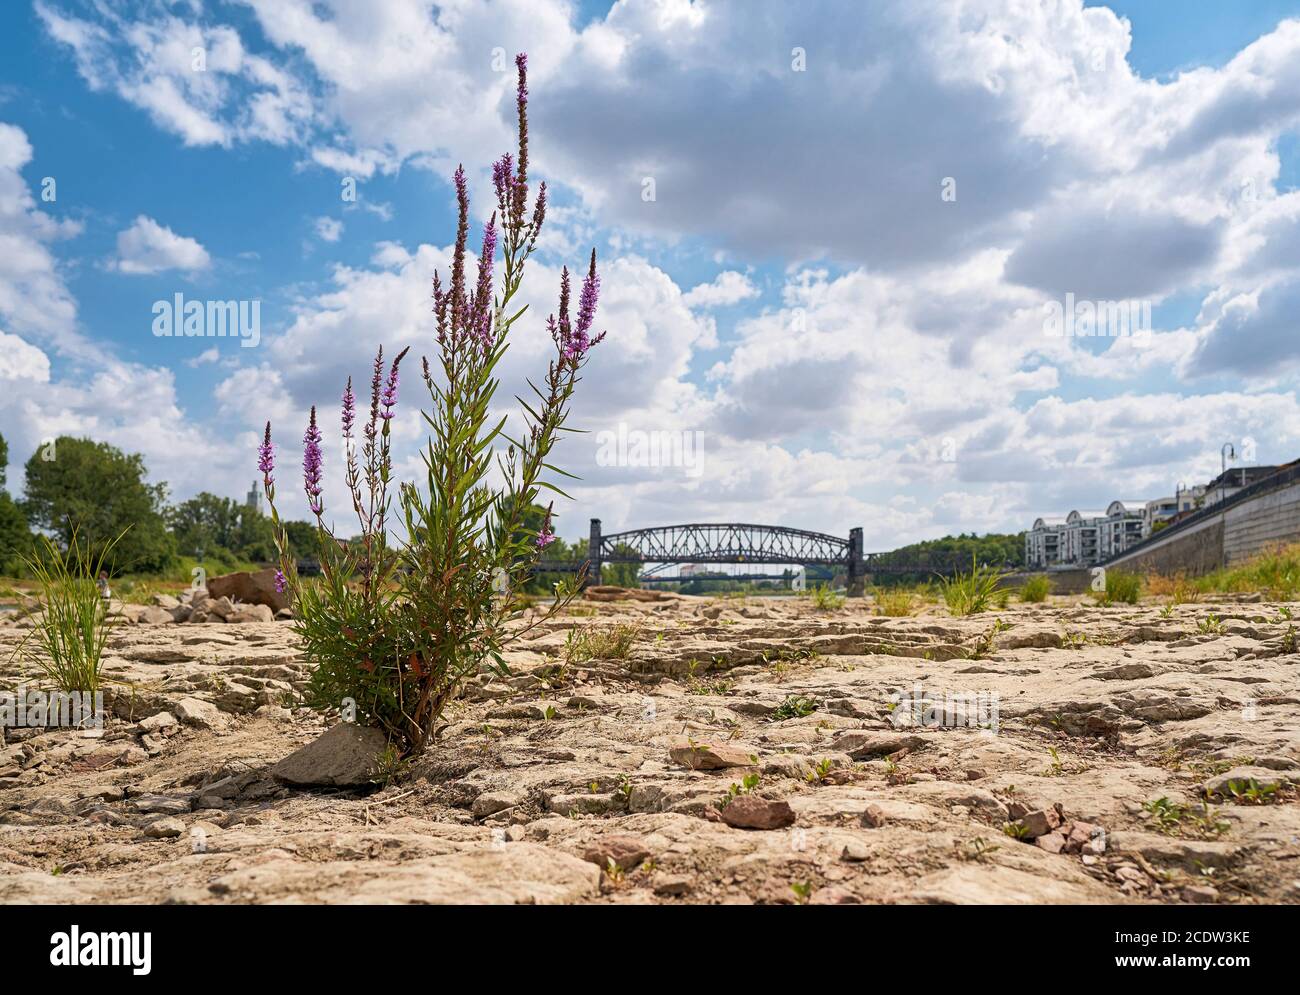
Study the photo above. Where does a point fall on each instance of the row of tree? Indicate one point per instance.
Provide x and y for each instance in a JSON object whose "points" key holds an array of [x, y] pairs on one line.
{"points": [[100, 493]]}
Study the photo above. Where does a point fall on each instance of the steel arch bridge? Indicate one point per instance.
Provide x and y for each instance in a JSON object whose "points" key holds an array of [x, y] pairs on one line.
{"points": [[744, 543], [729, 543], [720, 543]]}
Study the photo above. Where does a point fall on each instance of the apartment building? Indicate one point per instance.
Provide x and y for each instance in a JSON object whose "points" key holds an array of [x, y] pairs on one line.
{"points": [[1043, 542], [1086, 538]]}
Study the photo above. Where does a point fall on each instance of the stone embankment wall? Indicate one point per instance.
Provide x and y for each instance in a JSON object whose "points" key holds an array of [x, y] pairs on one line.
{"points": [[1243, 528]]}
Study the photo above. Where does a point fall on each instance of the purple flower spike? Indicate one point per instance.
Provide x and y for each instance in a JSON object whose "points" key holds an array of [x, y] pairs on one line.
{"points": [[349, 410], [281, 582], [266, 458], [521, 94], [311, 465], [587, 299], [389, 398], [545, 535]]}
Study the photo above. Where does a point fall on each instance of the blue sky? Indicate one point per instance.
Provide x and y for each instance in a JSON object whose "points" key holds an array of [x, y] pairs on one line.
{"points": [[798, 292]]}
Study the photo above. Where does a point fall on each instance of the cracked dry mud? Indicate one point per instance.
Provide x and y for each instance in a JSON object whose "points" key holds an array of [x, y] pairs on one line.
{"points": [[560, 785]]}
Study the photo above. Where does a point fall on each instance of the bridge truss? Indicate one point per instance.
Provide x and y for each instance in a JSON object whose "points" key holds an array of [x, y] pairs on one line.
{"points": [[668, 545]]}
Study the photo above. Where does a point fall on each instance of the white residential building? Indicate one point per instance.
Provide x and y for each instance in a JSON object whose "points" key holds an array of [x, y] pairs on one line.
{"points": [[1082, 535], [1043, 543], [1122, 528]]}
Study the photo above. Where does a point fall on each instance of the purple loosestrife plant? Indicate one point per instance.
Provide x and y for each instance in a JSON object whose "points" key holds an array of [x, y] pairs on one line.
{"points": [[396, 629]]}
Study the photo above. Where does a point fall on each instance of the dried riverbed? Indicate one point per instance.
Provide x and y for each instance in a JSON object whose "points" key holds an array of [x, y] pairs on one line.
{"points": [[604, 781]]}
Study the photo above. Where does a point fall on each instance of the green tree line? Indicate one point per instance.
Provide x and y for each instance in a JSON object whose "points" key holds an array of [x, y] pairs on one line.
{"points": [[100, 493]]}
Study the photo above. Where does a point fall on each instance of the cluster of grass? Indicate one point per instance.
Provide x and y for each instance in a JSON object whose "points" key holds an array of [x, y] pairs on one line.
{"points": [[1036, 589], [794, 707], [824, 599], [613, 643], [1274, 573], [1177, 588], [1120, 588], [968, 593], [72, 627], [895, 602]]}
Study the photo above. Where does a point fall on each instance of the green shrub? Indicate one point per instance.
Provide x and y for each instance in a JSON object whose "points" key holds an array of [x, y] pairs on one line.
{"points": [[968, 593], [895, 602], [1036, 589], [613, 643], [1274, 573], [824, 599], [395, 627], [72, 625], [1121, 588]]}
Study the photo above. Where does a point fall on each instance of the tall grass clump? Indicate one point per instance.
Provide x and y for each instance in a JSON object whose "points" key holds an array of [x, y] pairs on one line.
{"points": [[1177, 587], [1036, 589], [897, 602], [1120, 588], [968, 593], [1275, 573], [395, 625], [613, 643], [71, 628], [824, 599]]}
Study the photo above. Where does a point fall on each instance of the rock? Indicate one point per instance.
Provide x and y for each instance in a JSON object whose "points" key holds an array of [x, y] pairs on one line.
{"points": [[833, 896], [163, 720], [492, 802], [182, 613], [585, 803], [227, 787], [1039, 822], [1126, 672], [625, 851], [276, 713], [873, 817], [250, 588], [199, 713], [863, 744], [753, 812], [163, 829], [153, 615], [672, 885], [786, 765], [1051, 842], [855, 852], [712, 756], [160, 805], [108, 793], [251, 613], [165, 601], [220, 608], [345, 756], [1200, 894]]}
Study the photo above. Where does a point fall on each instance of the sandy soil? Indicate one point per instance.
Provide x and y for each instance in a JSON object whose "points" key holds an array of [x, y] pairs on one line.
{"points": [[594, 783]]}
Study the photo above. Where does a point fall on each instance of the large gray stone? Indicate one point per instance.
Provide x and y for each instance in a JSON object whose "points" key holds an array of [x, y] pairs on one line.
{"points": [[345, 756]]}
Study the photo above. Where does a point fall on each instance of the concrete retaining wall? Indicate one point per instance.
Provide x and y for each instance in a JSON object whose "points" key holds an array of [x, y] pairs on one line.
{"points": [[1222, 538]]}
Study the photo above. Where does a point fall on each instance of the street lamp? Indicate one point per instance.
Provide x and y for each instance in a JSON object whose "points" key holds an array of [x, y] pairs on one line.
{"points": [[1226, 452]]}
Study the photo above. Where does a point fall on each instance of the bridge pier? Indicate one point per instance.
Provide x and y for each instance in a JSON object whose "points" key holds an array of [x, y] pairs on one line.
{"points": [[857, 572], [593, 553]]}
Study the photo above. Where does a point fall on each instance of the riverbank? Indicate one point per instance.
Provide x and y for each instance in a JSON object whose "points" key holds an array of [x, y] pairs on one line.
{"points": [[741, 751]]}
